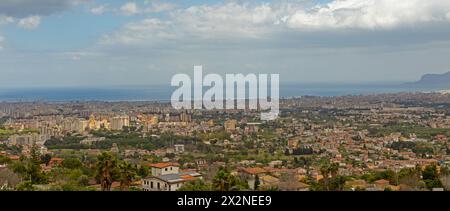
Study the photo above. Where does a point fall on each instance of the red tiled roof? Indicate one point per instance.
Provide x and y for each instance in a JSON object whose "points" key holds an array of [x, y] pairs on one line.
{"points": [[381, 182], [163, 165], [255, 170], [56, 160], [187, 177]]}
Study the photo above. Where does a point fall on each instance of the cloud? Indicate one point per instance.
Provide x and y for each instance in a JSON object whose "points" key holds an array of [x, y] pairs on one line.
{"points": [[369, 14], [157, 7], [290, 24], [343, 40], [148, 7], [129, 8], [6, 20], [25, 8], [31, 22], [230, 19], [227, 21], [98, 10]]}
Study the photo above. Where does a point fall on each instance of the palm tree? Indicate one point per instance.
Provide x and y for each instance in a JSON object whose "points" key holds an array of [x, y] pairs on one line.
{"points": [[334, 169], [106, 166], [325, 170], [223, 181], [127, 174]]}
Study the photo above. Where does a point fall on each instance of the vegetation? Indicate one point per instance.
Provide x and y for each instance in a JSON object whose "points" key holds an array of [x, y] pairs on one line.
{"points": [[106, 170], [406, 130], [224, 181]]}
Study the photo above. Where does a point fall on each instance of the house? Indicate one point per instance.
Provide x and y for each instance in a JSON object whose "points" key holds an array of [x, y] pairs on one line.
{"points": [[293, 186], [381, 184], [167, 177], [179, 148], [250, 174], [268, 182], [159, 169]]}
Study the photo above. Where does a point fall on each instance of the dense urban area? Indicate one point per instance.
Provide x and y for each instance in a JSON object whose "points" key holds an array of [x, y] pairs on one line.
{"points": [[384, 142]]}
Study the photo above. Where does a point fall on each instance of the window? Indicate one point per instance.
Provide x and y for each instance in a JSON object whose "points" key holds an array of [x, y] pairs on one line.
{"points": [[171, 168], [151, 185], [159, 186]]}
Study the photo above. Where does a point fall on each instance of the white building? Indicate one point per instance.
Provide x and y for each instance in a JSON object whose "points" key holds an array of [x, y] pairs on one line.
{"points": [[167, 177], [179, 148]]}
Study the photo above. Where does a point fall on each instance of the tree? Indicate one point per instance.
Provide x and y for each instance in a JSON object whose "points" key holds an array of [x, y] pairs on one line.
{"points": [[430, 176], [324, 170], [25, 186], [83, 180], [127, 174], [106, 167], [337, 183], [142, 171], [4, 160], [45, 159], [224, 181], [71, 163], [257, 182], [334, 169], [411, 178], [196, 185], [30, 168]]}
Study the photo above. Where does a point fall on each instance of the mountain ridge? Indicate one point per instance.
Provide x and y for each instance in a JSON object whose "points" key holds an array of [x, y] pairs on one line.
{"points": [[434, 79]]}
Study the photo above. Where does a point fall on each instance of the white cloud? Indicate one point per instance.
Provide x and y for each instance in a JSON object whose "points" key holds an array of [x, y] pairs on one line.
{"points": [[259, 20], [230, 19], [289, 24], [136, 32], [31, 22], [98, 10], [6, 20], [157, 7], [205, 22], [369, 14], [129, 8]]}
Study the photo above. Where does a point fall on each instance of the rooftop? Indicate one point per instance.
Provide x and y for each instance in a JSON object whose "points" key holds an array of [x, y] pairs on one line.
{"points": [[180, 177], [163, 165]]}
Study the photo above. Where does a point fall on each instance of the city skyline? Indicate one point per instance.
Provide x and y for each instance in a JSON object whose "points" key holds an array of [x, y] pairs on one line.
{"points": [[79, 43]]}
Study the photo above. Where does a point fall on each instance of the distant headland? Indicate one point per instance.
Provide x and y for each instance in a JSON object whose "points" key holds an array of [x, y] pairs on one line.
{"points": [[434, 79]]}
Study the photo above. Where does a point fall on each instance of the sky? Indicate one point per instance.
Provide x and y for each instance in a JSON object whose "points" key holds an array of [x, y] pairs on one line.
{"points": [[86, 43]]}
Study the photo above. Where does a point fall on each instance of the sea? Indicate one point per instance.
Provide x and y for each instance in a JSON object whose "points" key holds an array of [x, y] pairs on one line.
{"points": [[164, 92]]}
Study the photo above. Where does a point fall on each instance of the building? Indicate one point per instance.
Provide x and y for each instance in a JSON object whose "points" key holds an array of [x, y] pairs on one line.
{"points": [[179, 148], [118, 123], [159, 169], [230, 125], [250, 175], [167, 177], [184, 117], [27, 139]]}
